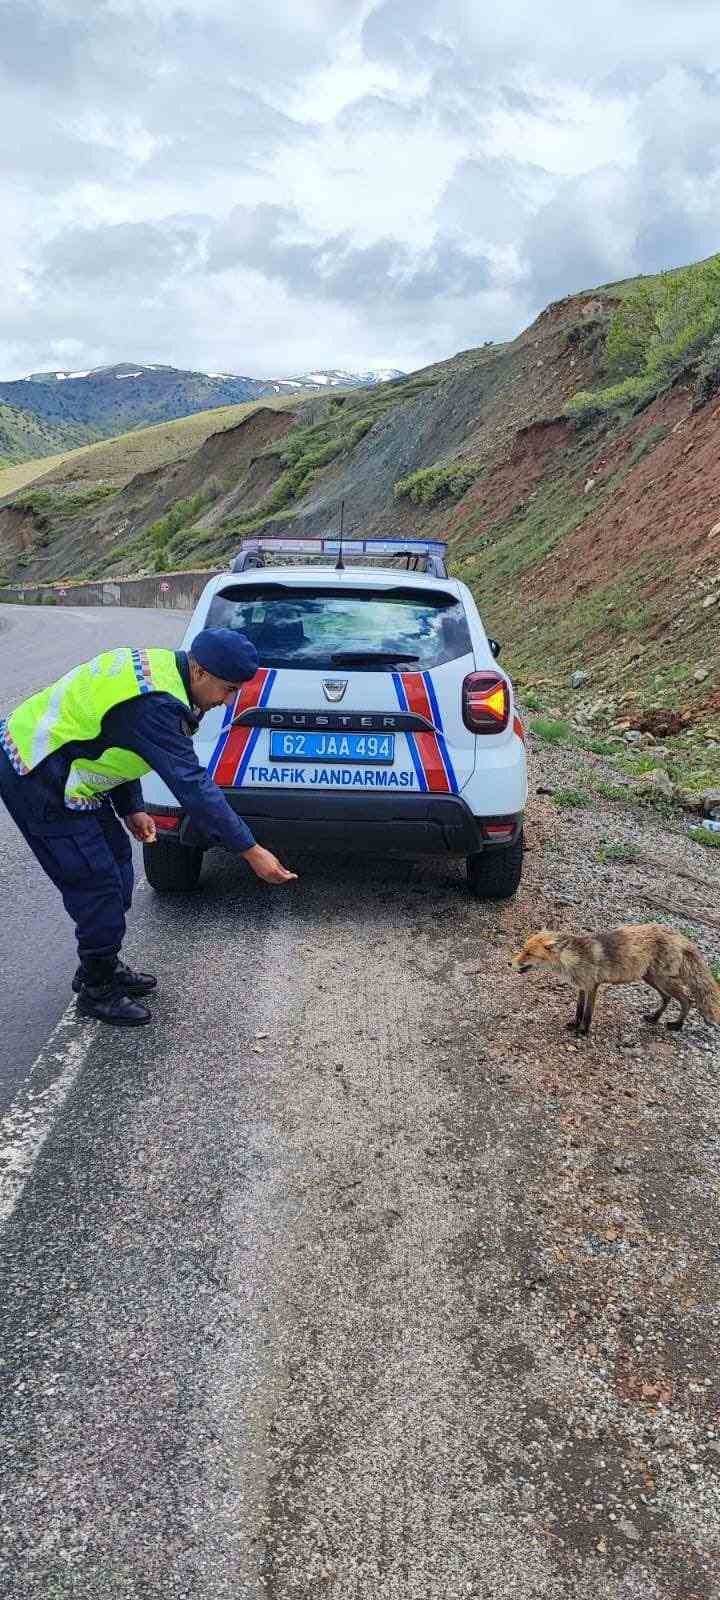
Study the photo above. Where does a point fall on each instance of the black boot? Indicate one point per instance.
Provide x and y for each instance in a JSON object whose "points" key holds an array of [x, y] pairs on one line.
{"points": [[127, 981], [106, 1003], [100, 994]]}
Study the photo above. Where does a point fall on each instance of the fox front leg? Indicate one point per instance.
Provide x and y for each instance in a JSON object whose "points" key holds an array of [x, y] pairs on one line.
{"points": [[576, 1023], [590, 999]]}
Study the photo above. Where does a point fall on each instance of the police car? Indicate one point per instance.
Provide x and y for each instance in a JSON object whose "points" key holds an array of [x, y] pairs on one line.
{"points": [[379, 718]]}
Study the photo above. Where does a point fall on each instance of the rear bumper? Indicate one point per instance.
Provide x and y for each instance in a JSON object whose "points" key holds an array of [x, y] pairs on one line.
{"points": [[387, 823]]}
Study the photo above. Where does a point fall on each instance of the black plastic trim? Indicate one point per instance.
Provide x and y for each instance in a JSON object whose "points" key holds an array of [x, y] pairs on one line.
{"points": [[414, 823], [334, 721]]}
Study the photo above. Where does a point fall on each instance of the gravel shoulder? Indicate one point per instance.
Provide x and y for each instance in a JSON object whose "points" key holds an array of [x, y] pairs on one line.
{"points": [[353, 1276]]}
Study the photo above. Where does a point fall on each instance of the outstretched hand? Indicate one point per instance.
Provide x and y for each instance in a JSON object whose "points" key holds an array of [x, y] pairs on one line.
{"points": [[267, 866], [141, 826]]}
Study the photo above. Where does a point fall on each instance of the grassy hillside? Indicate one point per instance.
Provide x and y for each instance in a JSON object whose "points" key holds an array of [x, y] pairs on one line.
{"points": [[574, 471], [23, 435], [116, 461], [21, 473]]}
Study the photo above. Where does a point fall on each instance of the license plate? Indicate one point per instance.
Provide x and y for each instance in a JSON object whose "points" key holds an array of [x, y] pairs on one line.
{"points": [[373, 748]]}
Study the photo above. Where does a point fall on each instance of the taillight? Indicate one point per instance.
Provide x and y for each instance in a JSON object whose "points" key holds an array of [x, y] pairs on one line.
{"points": [[165, 823], [500, 832], [485, 702]]}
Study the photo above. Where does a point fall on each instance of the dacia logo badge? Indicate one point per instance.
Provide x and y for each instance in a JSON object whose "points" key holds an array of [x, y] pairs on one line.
{"points": [[334, 688]]}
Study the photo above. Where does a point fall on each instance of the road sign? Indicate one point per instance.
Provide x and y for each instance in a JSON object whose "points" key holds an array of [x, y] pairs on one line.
{"points": [[164, 588]]}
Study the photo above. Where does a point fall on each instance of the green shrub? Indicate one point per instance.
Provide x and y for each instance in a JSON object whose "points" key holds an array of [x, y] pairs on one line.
{"points": [[441, 482], [708, 375], [631, 329], [612, 791], [359, 429], [571, 799], [599, 747], [586, 402], [705, 836], [159, 531], [645, 762], [618, 852], [42, 502], [283, 492], [181, 515], [308, 450], [655, 332], [551, 731]]}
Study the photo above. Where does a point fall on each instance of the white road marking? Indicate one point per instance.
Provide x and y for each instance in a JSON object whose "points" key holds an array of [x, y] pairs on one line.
{"points": [[25, 1127]]}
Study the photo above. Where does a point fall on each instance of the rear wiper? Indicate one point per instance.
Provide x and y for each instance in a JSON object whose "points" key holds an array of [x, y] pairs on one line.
{"points": [[353, 658]]}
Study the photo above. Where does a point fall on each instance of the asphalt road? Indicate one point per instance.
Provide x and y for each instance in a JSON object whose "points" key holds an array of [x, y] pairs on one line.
{"points": [[37, 947], [351, 1276]]}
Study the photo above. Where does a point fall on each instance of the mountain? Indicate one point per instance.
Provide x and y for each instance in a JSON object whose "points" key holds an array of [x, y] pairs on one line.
{"points": [[110, 400], [334, 378], [574, 472], [104, 401], [25, 434]]}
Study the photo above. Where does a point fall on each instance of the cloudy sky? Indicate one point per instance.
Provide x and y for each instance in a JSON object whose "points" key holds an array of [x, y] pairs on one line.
{"points": [[264, 186]]}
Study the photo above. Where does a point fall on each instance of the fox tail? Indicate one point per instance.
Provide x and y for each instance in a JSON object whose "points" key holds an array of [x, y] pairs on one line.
{"points": [[696, 974]]}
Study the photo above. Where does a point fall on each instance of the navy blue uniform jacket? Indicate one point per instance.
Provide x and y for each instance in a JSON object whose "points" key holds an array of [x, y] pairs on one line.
{"points": [[154, 727]]}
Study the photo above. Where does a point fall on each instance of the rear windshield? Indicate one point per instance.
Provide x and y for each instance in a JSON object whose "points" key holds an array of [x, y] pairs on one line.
{"points": [[312, 627]]}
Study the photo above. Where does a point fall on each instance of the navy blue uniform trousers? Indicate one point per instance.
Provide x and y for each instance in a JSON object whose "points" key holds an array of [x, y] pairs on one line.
{"points": [[87, 855]]}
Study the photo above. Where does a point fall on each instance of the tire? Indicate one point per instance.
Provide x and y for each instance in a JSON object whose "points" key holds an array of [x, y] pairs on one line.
{"points": [[495, 874], [172, 868]]}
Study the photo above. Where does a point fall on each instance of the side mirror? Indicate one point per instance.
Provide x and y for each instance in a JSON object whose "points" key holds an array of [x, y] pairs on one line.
{"points": [[495, 647]]}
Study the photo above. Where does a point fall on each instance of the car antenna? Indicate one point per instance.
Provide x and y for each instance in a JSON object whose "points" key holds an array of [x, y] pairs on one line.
{"points": [[340, 564]]}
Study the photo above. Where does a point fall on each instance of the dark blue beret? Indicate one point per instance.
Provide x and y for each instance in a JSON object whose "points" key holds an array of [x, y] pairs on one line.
{"points": [[225, 653]]}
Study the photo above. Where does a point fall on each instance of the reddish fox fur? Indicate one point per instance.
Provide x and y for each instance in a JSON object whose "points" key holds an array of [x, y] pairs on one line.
{"points": [[638, 952]]}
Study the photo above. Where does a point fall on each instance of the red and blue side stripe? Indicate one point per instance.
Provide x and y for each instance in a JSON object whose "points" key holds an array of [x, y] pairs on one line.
{"points": [[412, 747], [429, 751], [235, 746]]}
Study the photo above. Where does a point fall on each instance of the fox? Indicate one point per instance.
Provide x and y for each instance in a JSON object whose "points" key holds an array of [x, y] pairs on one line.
{"points": [[634, 953]]}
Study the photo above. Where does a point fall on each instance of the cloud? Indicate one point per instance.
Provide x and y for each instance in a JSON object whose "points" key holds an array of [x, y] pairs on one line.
{"points": [[658, 211], [41, 46], [124, 255], [266, 239], [327, 182]]}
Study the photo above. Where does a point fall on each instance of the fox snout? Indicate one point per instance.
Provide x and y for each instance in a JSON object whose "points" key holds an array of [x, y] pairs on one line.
{"points": [[539, 947]]}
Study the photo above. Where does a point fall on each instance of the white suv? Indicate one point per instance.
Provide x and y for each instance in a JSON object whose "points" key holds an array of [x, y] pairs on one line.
{"points": [[379, 718]]}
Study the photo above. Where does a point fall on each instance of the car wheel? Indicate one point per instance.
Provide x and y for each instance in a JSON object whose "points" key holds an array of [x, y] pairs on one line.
{"points": [[495, 874], [172, 868]]}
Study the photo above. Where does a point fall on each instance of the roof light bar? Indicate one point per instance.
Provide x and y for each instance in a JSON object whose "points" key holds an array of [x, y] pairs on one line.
{"points": [[434, 551]]}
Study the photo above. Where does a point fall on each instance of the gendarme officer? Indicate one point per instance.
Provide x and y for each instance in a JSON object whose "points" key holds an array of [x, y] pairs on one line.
{"points": [[70, 762]]}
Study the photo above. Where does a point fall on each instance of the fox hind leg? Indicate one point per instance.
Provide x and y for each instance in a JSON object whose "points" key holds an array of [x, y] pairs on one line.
{"points": [[654, 1016], [679, 993], [576, 1021]]}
